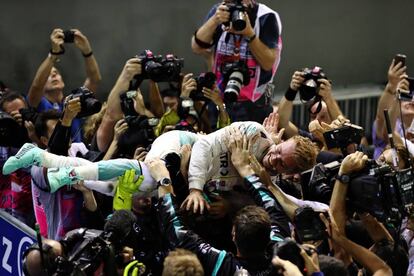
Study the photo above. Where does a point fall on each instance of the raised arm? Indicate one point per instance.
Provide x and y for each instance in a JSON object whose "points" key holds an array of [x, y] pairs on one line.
{"points": [[325, 92], [36, 90], [202, 41], [352, 163], [156, 104], [113, 112], [93, 75], [362, 255], [286, 105], [396, 72], [265, 55], [59, 142]]}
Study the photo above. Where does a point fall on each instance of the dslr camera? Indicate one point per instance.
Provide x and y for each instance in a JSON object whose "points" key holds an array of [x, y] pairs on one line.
{"points": [[236, 10], [235, 74], [310, 86], [136, 122], [289, 250], [158, 68], [343, 136], [68, 36], [99, 252], [308, 225], [132, 118], [127, 103], [384, 192], [317, 183], [208, 80], [89, 104], [9, 128], [29, 114]]}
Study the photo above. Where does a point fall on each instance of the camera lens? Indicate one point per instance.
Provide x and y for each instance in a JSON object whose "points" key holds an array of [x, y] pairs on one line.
{"points": [[68, 36], [93, 105], [233, 86], [308, 90], [153, 68], [237, 20]]}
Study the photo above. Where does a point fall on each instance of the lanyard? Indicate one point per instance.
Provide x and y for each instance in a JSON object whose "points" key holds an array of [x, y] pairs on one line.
{"points": [[237, 42]]}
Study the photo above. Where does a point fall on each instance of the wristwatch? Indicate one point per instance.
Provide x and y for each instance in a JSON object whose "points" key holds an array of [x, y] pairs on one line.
{"points": [[344, 178], [164, 182], [251, 38]]}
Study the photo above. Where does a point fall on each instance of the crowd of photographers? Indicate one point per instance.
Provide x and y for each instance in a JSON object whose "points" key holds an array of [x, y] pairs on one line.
{"points": [[202, 176]]}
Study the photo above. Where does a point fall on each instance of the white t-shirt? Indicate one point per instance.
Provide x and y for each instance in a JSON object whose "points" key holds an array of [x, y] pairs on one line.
{"points": [[210, 161]]}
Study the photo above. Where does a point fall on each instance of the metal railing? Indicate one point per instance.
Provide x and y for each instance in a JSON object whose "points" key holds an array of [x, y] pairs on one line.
{"points": [[357, 104]]}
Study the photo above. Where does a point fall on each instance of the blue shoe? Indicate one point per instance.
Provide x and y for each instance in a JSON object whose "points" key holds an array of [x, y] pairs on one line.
{"points": [[27, 156], [59, 177]]}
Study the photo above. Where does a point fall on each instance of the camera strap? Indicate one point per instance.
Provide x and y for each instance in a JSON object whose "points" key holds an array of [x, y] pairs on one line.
{"points": [[237, 39], [318, 99]]}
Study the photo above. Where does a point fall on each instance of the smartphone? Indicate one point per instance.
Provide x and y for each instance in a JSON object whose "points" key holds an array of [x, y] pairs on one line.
{"points": [[400, 58], [411, 86]]}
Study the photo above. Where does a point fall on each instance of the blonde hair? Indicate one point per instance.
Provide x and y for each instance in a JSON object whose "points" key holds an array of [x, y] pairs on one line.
{"points": [[305, 153], [181, 262], [92, 123]]}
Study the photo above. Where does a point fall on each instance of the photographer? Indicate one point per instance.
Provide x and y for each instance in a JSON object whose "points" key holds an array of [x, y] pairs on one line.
{"points": [[174, 111], [325, 110], [363, 256], [46, 90], [254, 40], [114, 113], [54, 132], [389, 100], [355, 163], [15, 190], [14, 104], [84, 251], [190, 87]]}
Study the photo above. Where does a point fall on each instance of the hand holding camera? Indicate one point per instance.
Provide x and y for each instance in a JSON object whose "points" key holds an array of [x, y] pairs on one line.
{"points": [[132, 67], [17, 117], [297, 80], [213, 95], [325, 88], [222, 14], [202, 82], [291, 258], [57, 40], [310, 86], [72, 108], [159, 68], [396, 72], [140, 154], [120, 127], [89, 104], [353, 162], [81, 41], [188, 85], [244, 28], [60, 37], [285, 267]]}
